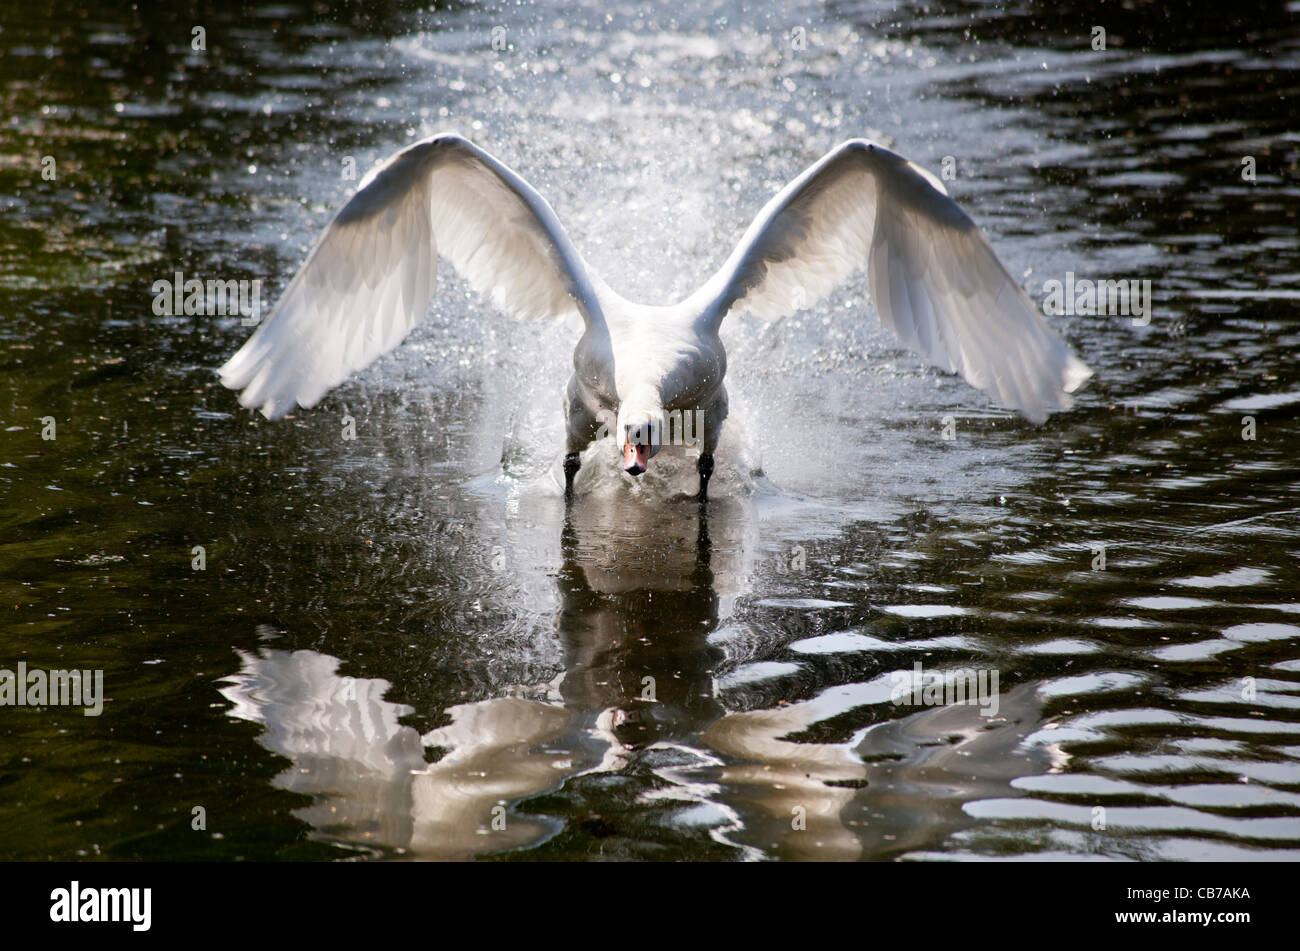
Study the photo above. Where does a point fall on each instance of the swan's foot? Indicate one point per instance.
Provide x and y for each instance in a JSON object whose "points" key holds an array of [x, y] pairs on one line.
{"points": [[705, 468], [571, 466]]}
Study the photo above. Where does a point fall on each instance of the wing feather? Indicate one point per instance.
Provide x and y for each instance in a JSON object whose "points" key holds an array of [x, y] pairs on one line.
{"points": [[933, 276], [369, 278]]}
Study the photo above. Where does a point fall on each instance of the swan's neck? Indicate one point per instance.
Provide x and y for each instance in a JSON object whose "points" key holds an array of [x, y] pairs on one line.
{"points": [[641, 403]]}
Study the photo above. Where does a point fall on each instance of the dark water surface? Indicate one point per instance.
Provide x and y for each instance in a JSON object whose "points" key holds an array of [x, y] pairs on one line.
{"points": [[402, 645]]}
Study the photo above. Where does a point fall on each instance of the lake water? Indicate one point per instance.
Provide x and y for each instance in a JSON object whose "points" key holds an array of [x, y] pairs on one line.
{"points": [[402, 645]]}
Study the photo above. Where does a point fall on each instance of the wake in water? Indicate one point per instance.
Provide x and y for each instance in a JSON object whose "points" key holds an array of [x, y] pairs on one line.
{"points": [[530, 463]]}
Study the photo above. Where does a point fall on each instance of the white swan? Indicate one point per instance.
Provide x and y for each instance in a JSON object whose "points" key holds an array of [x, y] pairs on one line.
{"points": [[370, 277]]}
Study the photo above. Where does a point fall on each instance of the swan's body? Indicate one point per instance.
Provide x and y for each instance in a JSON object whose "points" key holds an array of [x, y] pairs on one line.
{"points": [[370, 277]]}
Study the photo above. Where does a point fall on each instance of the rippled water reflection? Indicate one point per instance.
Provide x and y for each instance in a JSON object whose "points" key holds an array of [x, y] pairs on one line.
{"points": [[402, 645]]}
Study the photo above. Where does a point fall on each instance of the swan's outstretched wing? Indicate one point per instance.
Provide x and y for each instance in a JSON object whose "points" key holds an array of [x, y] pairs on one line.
{"points": [[935, 280], [369, 279]]}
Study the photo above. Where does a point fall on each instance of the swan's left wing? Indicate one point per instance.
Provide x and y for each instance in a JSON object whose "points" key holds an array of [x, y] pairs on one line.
{"points": [[935, 280], [369, 279]]}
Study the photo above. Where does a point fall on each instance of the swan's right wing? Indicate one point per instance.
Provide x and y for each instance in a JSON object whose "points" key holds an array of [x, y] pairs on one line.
{"points": [[934, 279], [369, 279]]}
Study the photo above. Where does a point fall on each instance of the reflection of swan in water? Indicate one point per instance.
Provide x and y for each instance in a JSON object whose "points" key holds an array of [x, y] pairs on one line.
{"points": [[924, 768], [635, 620], [367, 772], [347, 748], [898, 787], [789, 782], [621, 622]]}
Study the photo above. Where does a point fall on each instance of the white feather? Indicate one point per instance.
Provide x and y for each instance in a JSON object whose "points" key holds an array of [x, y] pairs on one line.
{"points": [[934, 279], [369, 279]]}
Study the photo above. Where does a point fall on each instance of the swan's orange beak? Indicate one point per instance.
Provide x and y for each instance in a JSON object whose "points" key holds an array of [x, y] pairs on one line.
{"points": [[636, 456]]}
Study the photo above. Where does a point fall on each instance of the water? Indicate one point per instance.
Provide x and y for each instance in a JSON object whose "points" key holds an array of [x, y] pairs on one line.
{"points": [[402, 645]]}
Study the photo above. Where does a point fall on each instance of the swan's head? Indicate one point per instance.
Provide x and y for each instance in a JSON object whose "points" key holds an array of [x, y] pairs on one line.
{"points": [[642, 435]]}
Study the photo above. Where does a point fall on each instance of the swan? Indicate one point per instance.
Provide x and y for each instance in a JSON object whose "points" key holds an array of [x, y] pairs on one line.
{"points": [[370, 277]]}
